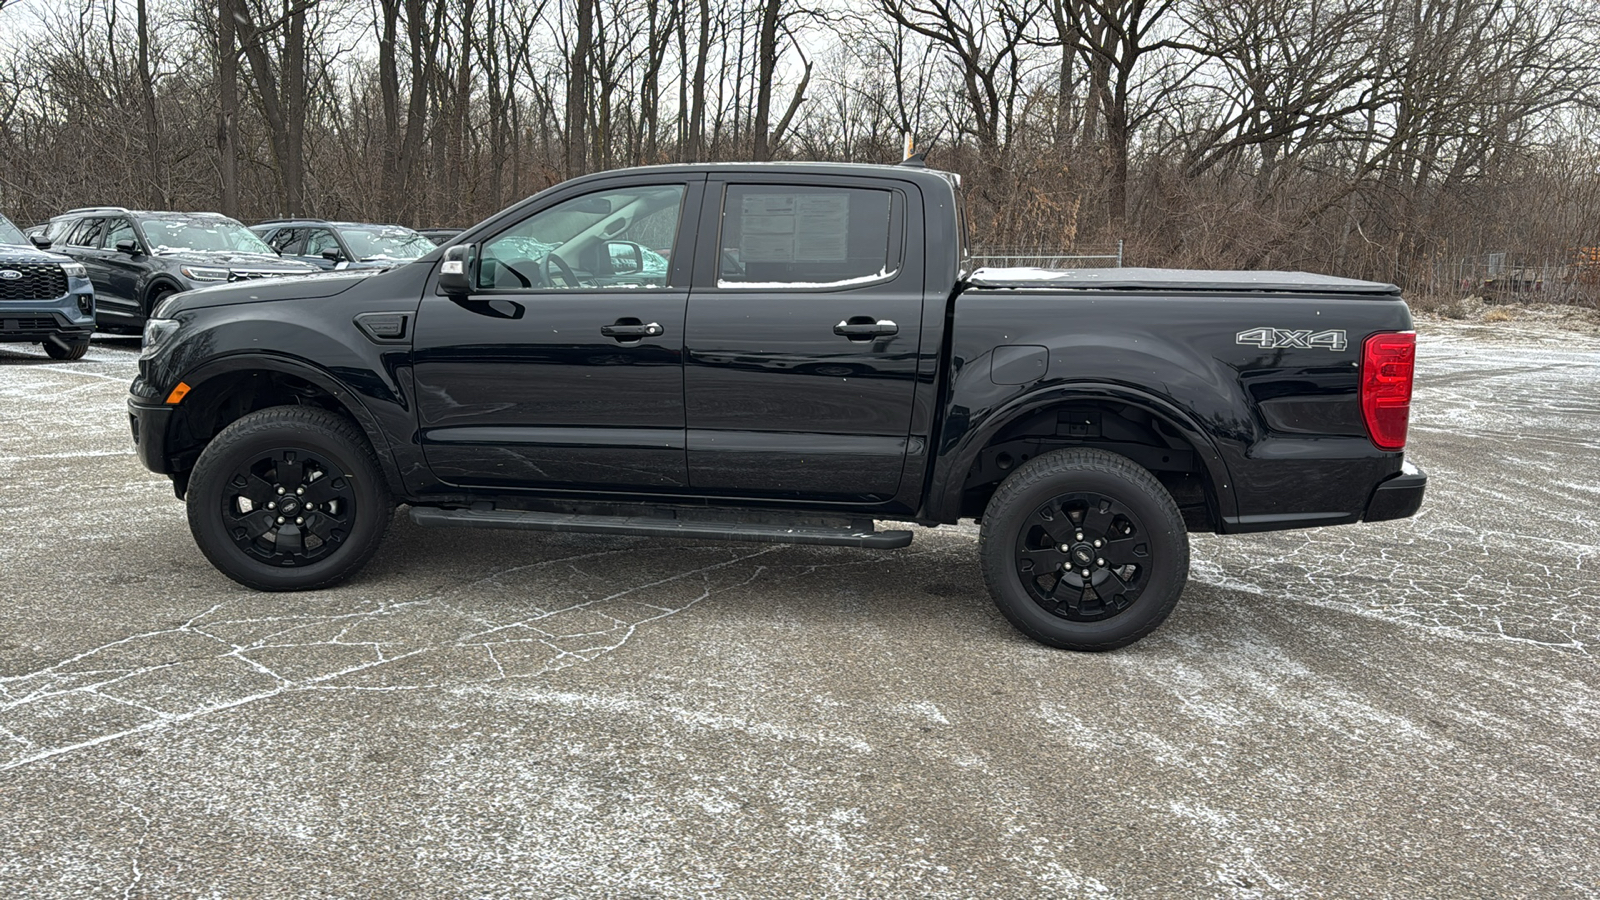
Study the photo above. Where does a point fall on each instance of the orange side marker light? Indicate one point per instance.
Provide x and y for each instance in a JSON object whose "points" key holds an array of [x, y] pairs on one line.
{"points": [[178, 393]]}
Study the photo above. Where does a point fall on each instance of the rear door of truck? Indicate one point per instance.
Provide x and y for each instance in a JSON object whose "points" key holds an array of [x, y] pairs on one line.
{"points": [[803, 329]]}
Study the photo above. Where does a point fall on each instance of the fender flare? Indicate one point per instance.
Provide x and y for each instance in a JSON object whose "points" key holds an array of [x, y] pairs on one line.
{"points": [[347, 399], [950, 471]]}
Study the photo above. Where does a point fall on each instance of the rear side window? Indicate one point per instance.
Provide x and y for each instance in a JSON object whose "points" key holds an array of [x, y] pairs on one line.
{"points": [[792, 236], [87, 233], [288, 241]]}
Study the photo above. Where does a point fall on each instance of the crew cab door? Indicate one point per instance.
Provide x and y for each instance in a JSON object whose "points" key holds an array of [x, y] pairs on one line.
{"points": [[803, 333], [563, 367]]}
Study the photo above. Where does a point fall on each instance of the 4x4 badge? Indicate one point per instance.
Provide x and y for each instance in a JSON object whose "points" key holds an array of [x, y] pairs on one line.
{"points": [[1292, 339]]}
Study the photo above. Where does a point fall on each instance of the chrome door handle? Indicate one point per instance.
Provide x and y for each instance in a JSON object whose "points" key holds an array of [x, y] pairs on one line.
{"points": [[858, 327]]}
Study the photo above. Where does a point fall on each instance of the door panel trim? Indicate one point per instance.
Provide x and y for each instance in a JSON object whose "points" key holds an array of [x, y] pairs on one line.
{"points": [[788, 443], [669, 438]]}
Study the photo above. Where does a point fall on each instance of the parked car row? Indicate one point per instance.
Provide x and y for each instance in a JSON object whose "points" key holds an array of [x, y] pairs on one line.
{"points": [[105, 268]]}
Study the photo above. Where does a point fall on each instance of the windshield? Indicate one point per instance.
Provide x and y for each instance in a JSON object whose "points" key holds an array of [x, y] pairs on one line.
{"points": [[207, 234], [387, 243], [9, 233]]}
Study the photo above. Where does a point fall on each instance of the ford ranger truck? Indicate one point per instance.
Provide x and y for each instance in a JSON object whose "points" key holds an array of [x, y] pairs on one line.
{"points": [[781, 352]]}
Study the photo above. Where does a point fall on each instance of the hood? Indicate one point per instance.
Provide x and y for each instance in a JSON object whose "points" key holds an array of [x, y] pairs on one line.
{"points": [[311, 287], [21, 255], [232, 259]]}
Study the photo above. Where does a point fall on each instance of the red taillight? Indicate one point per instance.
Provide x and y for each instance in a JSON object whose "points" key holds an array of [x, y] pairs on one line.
{"points": [[1388, 362]]}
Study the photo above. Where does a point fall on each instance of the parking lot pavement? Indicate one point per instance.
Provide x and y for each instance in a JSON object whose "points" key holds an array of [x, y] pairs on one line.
{"points": [[1402, 709]]}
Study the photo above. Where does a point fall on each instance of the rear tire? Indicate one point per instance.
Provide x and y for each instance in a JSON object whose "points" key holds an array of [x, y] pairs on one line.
{"points": [[65, 348], [289, 498], [1084, 550]]}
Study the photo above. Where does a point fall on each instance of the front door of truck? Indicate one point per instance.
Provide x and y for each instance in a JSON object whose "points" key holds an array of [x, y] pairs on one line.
{"points": [[803, 334], [563, 369]]}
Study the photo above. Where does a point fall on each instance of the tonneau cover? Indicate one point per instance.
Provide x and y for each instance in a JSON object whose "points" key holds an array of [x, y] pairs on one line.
{"points": [[1133, 279]]}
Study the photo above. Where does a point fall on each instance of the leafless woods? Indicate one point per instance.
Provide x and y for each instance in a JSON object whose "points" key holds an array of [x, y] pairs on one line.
{"points": [[1361, 137]]}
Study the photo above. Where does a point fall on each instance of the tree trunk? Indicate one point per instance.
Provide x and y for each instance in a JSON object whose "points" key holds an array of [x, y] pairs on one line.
{"points": [[147, 94], [697, 118], [228, 108], [577, 92], [766, 67], [389, 87], [282, 101]]}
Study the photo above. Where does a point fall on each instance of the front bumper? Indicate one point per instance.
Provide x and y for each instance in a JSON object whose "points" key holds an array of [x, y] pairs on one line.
{"points": [[149, 423], [1398, 496], [34, 323]]}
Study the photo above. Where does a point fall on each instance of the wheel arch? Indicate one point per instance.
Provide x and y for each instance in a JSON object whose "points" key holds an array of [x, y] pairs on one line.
{"points": [[157, 284], [951, 498], [223, 390]]}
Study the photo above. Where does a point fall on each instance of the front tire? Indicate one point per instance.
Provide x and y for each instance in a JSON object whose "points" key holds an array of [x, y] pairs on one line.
{"points": [[64, 349], [289, 498], [1084, 550]]}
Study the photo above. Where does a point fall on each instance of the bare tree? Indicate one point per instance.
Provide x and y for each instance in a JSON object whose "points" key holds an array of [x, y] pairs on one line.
{"points": [[987, 41]]}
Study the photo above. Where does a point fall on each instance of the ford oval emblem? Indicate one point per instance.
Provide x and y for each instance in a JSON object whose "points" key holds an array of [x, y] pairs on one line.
{"points": [[10, 274]]}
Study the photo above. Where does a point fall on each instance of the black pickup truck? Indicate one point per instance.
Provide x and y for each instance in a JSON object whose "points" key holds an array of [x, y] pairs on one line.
{"points": [[780, 352]]}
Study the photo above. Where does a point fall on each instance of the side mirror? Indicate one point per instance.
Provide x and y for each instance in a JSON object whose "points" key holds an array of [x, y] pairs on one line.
{"points": [[40, 241], [627, 257], [128, 246], [332, 254], [457, 269]]}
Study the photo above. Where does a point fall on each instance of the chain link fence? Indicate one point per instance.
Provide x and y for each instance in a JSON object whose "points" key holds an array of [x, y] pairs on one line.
{"points": [[1573, 278], [1047, 258]]}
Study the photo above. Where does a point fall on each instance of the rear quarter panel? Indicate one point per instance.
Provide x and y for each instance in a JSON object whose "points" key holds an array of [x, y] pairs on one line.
{"points": [[1284, 438]]}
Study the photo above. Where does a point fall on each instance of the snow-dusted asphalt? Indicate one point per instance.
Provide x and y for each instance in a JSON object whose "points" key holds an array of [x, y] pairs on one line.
{"points": [[1404, 709]]}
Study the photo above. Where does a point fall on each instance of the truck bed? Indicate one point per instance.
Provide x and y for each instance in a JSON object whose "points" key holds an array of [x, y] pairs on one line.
{"points": [[1166, 280]]}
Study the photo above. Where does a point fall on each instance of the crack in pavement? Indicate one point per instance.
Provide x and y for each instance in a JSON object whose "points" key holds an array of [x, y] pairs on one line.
{"points": [[164, 673]]}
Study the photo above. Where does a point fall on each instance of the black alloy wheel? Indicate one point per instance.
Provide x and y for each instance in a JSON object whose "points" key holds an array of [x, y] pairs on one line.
{"points": [[288, 498], [1084, 549], [1083, 556], [287, 507]]}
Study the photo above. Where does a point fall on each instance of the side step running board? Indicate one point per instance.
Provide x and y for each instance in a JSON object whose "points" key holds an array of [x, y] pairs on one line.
{"points": [[761, 533]]}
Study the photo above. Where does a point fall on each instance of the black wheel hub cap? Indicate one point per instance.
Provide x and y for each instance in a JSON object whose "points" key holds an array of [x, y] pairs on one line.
{"points": [[288, 507], [1083, 556]]}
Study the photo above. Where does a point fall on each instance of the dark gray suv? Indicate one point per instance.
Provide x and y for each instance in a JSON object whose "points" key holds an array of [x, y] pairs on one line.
{"points": [[135, 259], [343, 245]]}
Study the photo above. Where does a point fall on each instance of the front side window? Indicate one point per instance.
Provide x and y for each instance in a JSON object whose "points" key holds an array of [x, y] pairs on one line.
{"points": [[119, 230], [622, 237], [320, 241], [791, 236]]}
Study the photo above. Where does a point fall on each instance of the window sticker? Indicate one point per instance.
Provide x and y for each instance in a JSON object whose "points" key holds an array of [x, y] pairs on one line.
{"points": [[787, 228]]}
